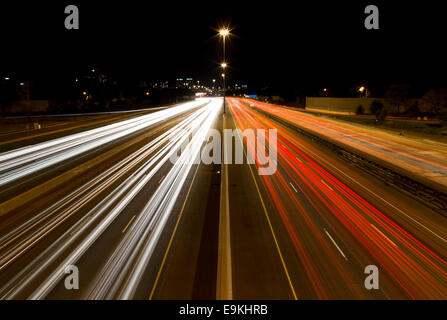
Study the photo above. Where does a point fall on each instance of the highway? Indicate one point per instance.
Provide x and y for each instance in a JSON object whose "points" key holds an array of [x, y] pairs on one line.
{"points": [[114, 196], [107, 219], [309, 230]]}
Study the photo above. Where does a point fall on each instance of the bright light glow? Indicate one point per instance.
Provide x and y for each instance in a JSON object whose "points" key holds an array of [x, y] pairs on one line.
{"points": [[224, 32], [135, 249], [223, 65], [362, 88], [23, 161]]}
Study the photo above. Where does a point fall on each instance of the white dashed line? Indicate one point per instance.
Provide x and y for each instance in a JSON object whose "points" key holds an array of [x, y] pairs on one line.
{"points": [[324, 182], [384, 235], [293, 187], [335, 244]]}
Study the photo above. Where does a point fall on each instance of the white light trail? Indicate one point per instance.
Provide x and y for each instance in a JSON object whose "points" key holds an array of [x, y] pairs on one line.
{"points": [[20, 162], [150, 221]]}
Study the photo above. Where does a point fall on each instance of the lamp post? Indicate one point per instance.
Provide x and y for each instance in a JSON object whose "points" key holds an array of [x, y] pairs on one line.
{"points": [[365, 89], [224, 33]]}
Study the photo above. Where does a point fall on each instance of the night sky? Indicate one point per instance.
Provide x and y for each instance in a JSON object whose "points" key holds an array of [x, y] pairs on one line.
{"points": [[275, 43]]}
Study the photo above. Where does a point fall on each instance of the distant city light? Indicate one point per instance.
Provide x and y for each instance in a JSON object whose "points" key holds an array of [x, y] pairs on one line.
{"points": [[147, 93], [223, 65], [362, 88], [6, 78], [84, 93]]}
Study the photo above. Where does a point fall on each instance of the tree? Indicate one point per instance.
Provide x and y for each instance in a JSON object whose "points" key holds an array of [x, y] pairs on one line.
{"points": [[378, 109], [7, 95], [437, 100], [397, 95], [360, 110]]}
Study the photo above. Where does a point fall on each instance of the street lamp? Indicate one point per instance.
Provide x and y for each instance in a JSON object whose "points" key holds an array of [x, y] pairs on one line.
{"points": [[363, 88], [224, 33]]}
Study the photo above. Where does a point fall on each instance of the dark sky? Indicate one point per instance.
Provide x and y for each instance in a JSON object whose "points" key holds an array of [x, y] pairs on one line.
{"points": [[276, 43]]}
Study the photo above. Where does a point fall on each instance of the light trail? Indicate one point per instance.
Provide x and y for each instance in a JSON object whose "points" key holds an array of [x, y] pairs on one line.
{"points": [[414, 157], [325, 205], [105, 212], [20, 162], [44, 222]]}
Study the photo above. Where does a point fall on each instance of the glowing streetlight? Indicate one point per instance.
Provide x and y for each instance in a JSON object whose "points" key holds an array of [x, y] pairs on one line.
{"points": [[363, 89], [224, 32]]}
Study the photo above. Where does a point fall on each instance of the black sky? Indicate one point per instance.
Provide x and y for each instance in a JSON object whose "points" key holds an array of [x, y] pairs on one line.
{"points": [[276, 43]]}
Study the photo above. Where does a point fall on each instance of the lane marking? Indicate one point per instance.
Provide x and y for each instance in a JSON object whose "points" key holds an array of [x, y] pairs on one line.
{"points": [[335, 244], [324, 182], [369, 190], [224, 287], [293, 187], [159, 181], [157, 278], [383, 235], [270, 225], [373, 193], [128, 224]]}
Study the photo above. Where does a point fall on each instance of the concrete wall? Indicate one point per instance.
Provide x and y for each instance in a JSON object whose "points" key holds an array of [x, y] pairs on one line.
{"points": [[350, 105]]}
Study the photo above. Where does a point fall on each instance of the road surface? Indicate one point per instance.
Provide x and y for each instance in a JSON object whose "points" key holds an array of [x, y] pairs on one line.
{"points": [[115, 197]]}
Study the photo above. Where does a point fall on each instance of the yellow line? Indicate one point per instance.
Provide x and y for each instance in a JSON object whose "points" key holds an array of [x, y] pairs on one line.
{"points": [[224, 287], [270, 225], [172, 236], [128, 224]]}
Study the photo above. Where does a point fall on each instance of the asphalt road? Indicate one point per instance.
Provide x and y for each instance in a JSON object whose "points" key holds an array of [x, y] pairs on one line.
{"points": [[123, 205], [309, 230], [103, 195]]}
